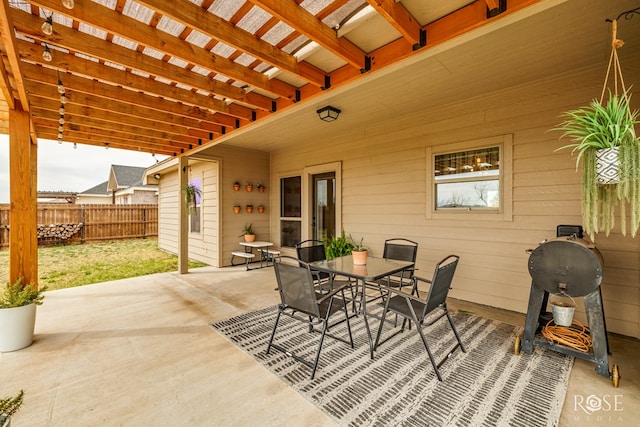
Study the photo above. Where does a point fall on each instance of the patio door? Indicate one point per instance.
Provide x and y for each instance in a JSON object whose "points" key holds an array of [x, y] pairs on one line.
{"points": [[323, 216]]}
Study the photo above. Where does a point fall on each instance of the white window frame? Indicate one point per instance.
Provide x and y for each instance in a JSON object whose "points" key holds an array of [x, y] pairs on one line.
{"points": [[505, 211]]}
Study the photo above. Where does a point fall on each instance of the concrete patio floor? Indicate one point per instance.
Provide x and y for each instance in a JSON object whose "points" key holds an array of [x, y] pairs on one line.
{"points": [[140, 352]]}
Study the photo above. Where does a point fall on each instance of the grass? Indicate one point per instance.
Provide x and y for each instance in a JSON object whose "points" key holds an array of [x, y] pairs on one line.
{"points": [[77, 265]]}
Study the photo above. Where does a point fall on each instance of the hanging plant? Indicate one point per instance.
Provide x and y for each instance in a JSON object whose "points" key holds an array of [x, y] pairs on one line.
{"points": [[191, 193], [603, 132]]}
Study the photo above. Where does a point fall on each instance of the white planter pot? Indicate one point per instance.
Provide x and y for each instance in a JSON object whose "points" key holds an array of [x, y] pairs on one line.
{"points": [[16, 327], [607, 165]]}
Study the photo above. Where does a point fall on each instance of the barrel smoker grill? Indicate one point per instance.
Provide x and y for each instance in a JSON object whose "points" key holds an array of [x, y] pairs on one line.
{"points": [[572, 266]]}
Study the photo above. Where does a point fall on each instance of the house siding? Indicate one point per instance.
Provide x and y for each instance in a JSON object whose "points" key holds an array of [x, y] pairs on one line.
{"points": [[384, 194]]}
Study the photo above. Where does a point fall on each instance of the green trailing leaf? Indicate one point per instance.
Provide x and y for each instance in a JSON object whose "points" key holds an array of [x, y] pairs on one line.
{"points": [[17, 295], [191, 194]]}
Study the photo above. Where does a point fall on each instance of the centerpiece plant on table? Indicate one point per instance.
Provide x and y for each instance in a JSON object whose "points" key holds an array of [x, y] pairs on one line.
{"points": [[337, 246]]}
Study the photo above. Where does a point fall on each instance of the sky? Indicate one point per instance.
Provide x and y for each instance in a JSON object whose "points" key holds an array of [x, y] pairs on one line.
{"points": [[63, 168]]}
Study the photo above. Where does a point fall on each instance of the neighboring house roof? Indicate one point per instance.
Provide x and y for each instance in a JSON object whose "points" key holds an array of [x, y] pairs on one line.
{"points": [[124, 177], [120, 179], [100, 189]]}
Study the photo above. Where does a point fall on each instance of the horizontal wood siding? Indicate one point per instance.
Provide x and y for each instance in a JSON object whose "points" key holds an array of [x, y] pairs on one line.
{"points": [[384, 188], [168, 207]]}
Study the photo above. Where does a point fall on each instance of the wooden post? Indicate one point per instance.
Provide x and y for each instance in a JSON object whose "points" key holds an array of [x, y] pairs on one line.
{"points": [[23, 168], [183, 213]]}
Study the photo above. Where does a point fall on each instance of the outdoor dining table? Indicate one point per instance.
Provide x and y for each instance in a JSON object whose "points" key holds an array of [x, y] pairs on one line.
{"points": [[266, 255], [374, 269]]}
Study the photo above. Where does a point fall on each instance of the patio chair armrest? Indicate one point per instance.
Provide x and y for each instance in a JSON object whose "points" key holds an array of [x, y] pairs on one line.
{"points": [[399, 292], [332, 293]]}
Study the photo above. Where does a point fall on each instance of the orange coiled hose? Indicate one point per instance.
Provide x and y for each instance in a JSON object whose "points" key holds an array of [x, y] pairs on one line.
{"points": [[576, 336]]}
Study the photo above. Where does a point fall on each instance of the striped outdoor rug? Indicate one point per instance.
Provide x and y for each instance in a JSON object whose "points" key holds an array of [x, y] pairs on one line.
{"points": [[486, 386]]}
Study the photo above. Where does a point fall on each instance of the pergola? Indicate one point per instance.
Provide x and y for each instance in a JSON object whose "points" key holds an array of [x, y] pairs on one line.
{"points": [[173, 77]]}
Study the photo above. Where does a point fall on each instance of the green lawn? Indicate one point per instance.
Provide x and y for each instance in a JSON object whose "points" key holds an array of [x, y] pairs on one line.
{"points": [[76, 265]]}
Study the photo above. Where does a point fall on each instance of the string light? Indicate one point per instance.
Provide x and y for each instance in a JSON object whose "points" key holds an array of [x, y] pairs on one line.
{"points": [[46, 55], [69, 4], [63, 99], [47, 25]]}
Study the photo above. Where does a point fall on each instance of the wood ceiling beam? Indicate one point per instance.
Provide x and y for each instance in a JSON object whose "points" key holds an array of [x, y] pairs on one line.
{"points": [[289, 12], [217, 28], [193, 116], [9, 41], [90, 69], [138, 123], [83, 43], [98, 16], [399, 17], [47, 132]]}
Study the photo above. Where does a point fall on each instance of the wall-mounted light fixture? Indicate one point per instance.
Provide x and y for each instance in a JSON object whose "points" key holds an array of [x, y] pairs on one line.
{"points": [[328, 113], [156, 176]]}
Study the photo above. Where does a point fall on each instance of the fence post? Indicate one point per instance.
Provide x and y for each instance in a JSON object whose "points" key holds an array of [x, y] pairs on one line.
{"points": [[144, 222], [84, 224]]}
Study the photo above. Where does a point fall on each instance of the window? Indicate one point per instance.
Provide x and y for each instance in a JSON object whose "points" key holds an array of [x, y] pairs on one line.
{"points": [[468, 179], [194, 211], [471, 180], [290, 210]]}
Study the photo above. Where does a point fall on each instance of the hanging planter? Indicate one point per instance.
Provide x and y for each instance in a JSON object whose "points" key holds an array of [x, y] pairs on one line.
{"points": [[260, 209], [249, 187], [236, 209], [236, 186], [607, 163], [606, 144], [249, 208]]}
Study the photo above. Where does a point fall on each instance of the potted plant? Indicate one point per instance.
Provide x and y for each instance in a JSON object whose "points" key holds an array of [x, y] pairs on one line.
{"points": [[359, 252], [603, 132], [249, 187], [191, 194], [337, 246], [8, 407], [236, 208], [18, 314], [248, 233], [261, 187], [236, 186], [261, 209], [249, 207]]}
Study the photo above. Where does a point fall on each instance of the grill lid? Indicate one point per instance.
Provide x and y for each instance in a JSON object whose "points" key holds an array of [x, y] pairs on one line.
{"points": [[566, 264]]}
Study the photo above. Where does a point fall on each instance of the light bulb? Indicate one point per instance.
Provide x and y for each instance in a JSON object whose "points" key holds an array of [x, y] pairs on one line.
{"points": [[69, 4], [63, 99], [46, 55], [61, 110], [61, 120], [47, 25], [75, 145], [60, 129], [60, 87], [59, 139]]}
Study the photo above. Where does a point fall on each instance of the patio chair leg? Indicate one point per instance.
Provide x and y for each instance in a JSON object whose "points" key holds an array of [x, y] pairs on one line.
{"points": [[346, 315], [317, 359], [382, 319], [455, 332], [273, 333], [424, 341]]}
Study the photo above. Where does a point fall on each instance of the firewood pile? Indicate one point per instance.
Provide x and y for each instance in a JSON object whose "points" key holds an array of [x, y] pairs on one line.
{"points": [[58, 231]]}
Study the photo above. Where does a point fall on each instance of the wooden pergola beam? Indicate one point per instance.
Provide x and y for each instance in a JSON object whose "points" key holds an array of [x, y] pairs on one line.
{"points": [[106, 51], [399, 17], [291, 13], [217, 28], [128, 28]]}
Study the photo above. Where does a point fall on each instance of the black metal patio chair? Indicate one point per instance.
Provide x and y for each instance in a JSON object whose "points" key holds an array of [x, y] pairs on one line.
{"points": [[313, 250], [402, 250], [413, 308], [300, 300]]}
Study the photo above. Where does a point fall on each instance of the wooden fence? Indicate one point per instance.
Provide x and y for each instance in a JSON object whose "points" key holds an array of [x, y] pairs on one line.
{"points": [[88, 223]]}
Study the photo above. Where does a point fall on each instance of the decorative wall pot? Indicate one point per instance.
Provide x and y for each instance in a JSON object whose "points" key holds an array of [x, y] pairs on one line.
{"points": [[16, 327], [260, 209], [249, 209], [249, 188], [261, 188], [236, 186], [607, 165], [236, 209]]}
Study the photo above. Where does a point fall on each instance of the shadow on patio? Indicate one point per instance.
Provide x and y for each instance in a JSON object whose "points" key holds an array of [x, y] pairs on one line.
{"points": [[140, 352]]}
